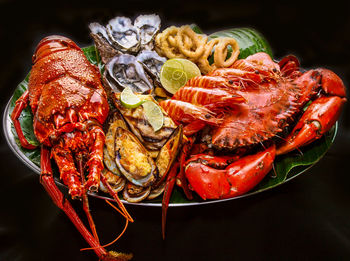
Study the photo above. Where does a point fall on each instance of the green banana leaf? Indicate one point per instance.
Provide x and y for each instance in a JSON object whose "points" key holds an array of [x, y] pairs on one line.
{"points": [[285, 167]]}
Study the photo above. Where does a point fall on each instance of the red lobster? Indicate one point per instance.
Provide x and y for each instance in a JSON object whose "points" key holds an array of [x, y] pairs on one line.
{"points": [[249, 104], [69, 106]]}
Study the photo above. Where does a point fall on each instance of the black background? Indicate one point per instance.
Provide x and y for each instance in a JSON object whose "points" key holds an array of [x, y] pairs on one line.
{"points": [[307, 218]]}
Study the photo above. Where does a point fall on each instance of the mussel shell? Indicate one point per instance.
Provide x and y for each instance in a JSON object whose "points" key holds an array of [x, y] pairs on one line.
{"points": [[168, 154], [123, 34], [117, 182], [123, 71], [133, 160], [148, 26], [152, 62], [155, 192], [140, 126], [133, 193], [110, 162]]}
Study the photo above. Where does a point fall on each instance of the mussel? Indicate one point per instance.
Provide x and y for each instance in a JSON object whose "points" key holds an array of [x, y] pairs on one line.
{"points": [[123, 71], [133, 160], [117, 182], [140, 126], [133, 193]]}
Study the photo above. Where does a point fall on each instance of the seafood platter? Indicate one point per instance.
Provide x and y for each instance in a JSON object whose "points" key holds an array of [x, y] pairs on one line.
{"points": [[167, 117]]}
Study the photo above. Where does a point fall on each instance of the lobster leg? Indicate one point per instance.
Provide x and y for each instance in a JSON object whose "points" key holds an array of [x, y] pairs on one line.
{"points": [[95, 162], [21, 104], [68, 171], [319, 117], [237, 179], [46, 179]]}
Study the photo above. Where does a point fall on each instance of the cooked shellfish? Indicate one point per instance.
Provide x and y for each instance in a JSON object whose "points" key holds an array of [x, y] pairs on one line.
{"points": [[123, 34], [124, 70], [133, 160]]}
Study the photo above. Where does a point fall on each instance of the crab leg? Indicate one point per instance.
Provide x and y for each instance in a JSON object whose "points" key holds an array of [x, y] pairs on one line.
{"points": [[319, 117], [237, 179], [46, 179], [21, 104]]}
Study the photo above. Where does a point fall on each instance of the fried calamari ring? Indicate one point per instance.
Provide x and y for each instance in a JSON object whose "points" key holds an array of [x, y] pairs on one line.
{"points": [[203, 62], [183, 42], [220, 53], [166, 43], [189, 43]]}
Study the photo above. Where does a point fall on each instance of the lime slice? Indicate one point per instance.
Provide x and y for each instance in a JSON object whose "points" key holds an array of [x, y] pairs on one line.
{"points": [[176, 72], [129, 99], [154, 115]]}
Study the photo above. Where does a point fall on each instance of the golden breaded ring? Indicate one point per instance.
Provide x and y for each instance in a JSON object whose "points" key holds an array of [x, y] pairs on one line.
{"points": [[220, 53], [189, 43], [203, 62]]}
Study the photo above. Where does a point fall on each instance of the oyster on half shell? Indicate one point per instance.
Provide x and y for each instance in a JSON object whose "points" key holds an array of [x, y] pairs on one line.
{"points": [[124, 36], [148, 26], [152, 63], [124, 70]]}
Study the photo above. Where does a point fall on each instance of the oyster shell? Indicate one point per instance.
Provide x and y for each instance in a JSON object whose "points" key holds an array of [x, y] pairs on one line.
{"points": [[152, 62], [124, 70], [133, 160], [123, 35], [102, 42], [148, 26]]}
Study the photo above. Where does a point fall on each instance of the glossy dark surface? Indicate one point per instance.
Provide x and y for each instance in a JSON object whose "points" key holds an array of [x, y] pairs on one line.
{"points": [[304, 219]]}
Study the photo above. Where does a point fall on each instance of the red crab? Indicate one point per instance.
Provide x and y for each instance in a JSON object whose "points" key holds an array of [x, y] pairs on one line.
{"points": [[69, 106], [248, 104]]}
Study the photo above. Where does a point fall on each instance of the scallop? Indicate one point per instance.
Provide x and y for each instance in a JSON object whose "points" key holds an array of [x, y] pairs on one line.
{"points": [[133, 160]]}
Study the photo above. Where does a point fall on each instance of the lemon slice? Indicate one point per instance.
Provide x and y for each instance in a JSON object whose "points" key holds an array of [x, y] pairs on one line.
{"points": [[154, 115], [129, 99], [176, 72]]}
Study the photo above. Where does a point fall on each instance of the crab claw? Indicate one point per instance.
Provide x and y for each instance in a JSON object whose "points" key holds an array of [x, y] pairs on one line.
{"points": [[237, 179], [319, 117]]}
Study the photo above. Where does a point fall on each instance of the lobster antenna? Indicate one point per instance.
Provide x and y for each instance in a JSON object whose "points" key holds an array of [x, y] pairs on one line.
{"points": [[119, 236]]}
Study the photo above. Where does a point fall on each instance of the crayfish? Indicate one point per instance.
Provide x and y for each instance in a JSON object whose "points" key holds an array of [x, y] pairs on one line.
{"points": [[69, 106]]}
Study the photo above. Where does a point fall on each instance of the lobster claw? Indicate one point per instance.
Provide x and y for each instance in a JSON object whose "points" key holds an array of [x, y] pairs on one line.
{"points": [[237, 179], [319, 117]]}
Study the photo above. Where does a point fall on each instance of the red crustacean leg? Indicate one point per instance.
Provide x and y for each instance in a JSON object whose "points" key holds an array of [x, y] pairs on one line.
{"points": [[186, 148], [21, 104], [321, 114], [68, 172], [46, 179], [170, 182], [319, 117], [95, 162], [237, 179]]}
